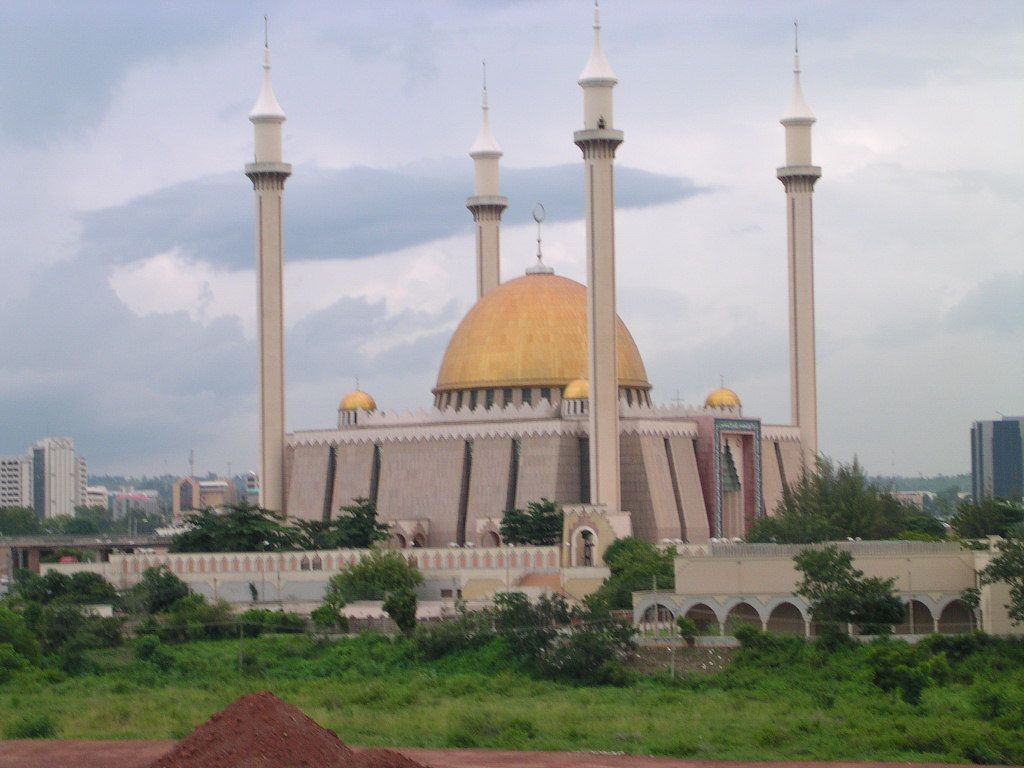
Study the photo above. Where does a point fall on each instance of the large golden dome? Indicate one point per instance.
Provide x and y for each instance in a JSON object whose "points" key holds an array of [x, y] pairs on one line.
{"points": [[531, 331]]}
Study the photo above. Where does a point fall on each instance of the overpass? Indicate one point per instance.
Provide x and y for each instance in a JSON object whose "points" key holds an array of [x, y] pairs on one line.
{"points": [[27, 551]]}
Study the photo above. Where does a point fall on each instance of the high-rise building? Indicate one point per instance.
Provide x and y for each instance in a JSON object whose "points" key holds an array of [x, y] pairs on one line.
{"points": [[59, 477], [15, 481], [97, 496], [997, 458]]}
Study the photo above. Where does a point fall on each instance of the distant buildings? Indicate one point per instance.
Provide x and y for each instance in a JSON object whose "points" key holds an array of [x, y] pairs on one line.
{"points": [[97, 496], [126, 500], [997, 458], [189, 494], [16, 481], [50, 478]]}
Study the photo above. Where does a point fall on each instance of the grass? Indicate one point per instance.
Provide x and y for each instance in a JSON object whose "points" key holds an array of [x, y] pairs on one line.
{"points": [[788, 704]]}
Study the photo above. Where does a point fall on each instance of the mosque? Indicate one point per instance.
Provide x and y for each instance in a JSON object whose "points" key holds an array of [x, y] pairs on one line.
{"points": [[542, 391]]}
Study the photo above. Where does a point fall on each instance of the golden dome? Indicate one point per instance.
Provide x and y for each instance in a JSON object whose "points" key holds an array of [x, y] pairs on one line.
{"points": [[723, 397], [357, 401], [530, 331], [577, 389]]}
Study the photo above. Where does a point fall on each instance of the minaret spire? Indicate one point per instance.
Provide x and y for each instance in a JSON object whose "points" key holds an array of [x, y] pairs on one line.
{"points": [[268, 173], [798, 177], [486, 204], [598, 141]]}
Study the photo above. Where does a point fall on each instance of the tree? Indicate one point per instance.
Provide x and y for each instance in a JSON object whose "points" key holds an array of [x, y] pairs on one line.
{"points": [[840, 502], [157, 591], [400, 605], [540, 524], [1008, 567], [16, 633], [356, 527], [239, 528], [635, 565], [839, 594], [374, 577], [989, 517], [18, 521]]}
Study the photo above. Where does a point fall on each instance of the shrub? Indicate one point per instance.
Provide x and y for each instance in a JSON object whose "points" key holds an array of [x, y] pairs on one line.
{"points": [[436, 640], [400, 605], [687, 627], [15, 632], [158, 590], [32, 726], [149, 648], [192, 618], [327, 619], [372, 578], [10, 662]]}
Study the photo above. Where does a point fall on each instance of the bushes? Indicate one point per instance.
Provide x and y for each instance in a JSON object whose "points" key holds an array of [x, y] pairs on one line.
{"points": [[157, 591], [15, 632], [256, 621], [32, 726]]}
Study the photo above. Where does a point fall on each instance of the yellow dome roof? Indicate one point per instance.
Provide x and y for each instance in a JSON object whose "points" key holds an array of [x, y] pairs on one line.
{"points": [[723, 397], [530, 331], [577, 389], [357, 401]]}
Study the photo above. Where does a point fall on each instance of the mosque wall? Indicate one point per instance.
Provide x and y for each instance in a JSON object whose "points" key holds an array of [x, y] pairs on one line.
{"points": [[352, 474], [488, 485], [694, 521], [549, 467], [422, 480], [306, 477], [647, 487], [792, 461], [771, 475]]}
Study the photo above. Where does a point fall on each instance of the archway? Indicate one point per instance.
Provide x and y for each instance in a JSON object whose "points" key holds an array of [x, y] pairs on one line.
{"points": [[786, 619], [917, 621], [742, 614], [490, 539], [398, 541], [658, 619], [705, 619], [419, 541], [584, 548], [956, 618]]}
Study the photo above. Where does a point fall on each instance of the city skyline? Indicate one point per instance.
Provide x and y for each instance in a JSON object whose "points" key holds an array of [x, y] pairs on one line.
{"points": [[146, 247]]}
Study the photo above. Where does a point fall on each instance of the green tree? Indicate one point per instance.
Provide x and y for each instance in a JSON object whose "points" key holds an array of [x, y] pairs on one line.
{"points": [[989, 517], [356, 527], [840, 502], [1008, 567], [18, 521], [16, 633], [400, 605], [838, 593], [157, 591], [374, 577], [540, 524], [635, 565], [239, 528]]}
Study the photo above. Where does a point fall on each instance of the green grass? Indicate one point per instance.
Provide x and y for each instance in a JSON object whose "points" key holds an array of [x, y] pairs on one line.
{"points": [[796, 703]]}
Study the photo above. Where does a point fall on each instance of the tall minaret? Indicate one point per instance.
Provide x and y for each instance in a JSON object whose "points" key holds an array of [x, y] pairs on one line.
{"points": [[268, 173], [798, 177], [486, 204], [598, 141]]}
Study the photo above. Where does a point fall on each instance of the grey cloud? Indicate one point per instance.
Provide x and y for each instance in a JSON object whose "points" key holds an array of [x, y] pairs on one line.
{"points": [[350, 213], [62, 61], [995, 305]]}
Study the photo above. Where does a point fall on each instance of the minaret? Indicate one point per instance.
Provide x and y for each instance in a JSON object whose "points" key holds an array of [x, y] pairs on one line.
{"points": [[598, 141], [486, 204], [798, 177], [268, 173]]}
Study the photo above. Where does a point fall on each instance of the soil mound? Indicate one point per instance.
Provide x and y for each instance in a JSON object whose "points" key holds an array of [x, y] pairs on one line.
{"points": [[260, 731], [384, 758]]}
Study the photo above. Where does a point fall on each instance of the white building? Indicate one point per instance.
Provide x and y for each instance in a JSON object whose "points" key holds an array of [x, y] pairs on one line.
{"points": [[16, 481], [97, 496], [59, 477]]}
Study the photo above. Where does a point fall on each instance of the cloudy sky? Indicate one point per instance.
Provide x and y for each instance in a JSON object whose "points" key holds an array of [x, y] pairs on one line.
{"points": [[128, 319]]}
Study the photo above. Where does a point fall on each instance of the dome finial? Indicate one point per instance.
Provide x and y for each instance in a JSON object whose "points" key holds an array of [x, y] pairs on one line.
{"points": [[266, 107], [540, 268]]}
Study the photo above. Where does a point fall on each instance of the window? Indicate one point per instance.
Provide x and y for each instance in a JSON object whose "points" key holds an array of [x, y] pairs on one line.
{"points": [[489, 401], [545, 394], [527, 396], [507, 395], [458, 401], [472, 400], [629, 397]]}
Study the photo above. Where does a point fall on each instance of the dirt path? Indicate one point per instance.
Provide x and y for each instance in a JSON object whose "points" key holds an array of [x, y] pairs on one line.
{"points": [[138, 754]]}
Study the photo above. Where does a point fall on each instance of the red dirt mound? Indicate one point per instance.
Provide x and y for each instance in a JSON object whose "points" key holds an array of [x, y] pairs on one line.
{"points": [[259, 731], [384, 758]]}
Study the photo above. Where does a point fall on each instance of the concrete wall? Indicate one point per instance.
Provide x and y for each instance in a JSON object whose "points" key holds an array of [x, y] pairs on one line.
{"points": [[306, 469], [352, 474], [423, 479], [488, 486]]}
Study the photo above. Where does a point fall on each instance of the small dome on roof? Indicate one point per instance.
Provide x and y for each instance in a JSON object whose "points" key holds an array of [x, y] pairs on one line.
{"points": [[577, 389], [723, 397], [357, 401]]}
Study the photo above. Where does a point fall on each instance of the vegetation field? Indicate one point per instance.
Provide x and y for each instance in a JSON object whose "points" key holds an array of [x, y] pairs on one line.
{"points": [[778, 700]]}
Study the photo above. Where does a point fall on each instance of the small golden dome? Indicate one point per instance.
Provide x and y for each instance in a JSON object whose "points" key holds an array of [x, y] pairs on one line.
{"points": [[577, 389], [723, 397], [357, 401], [530, 332]]}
